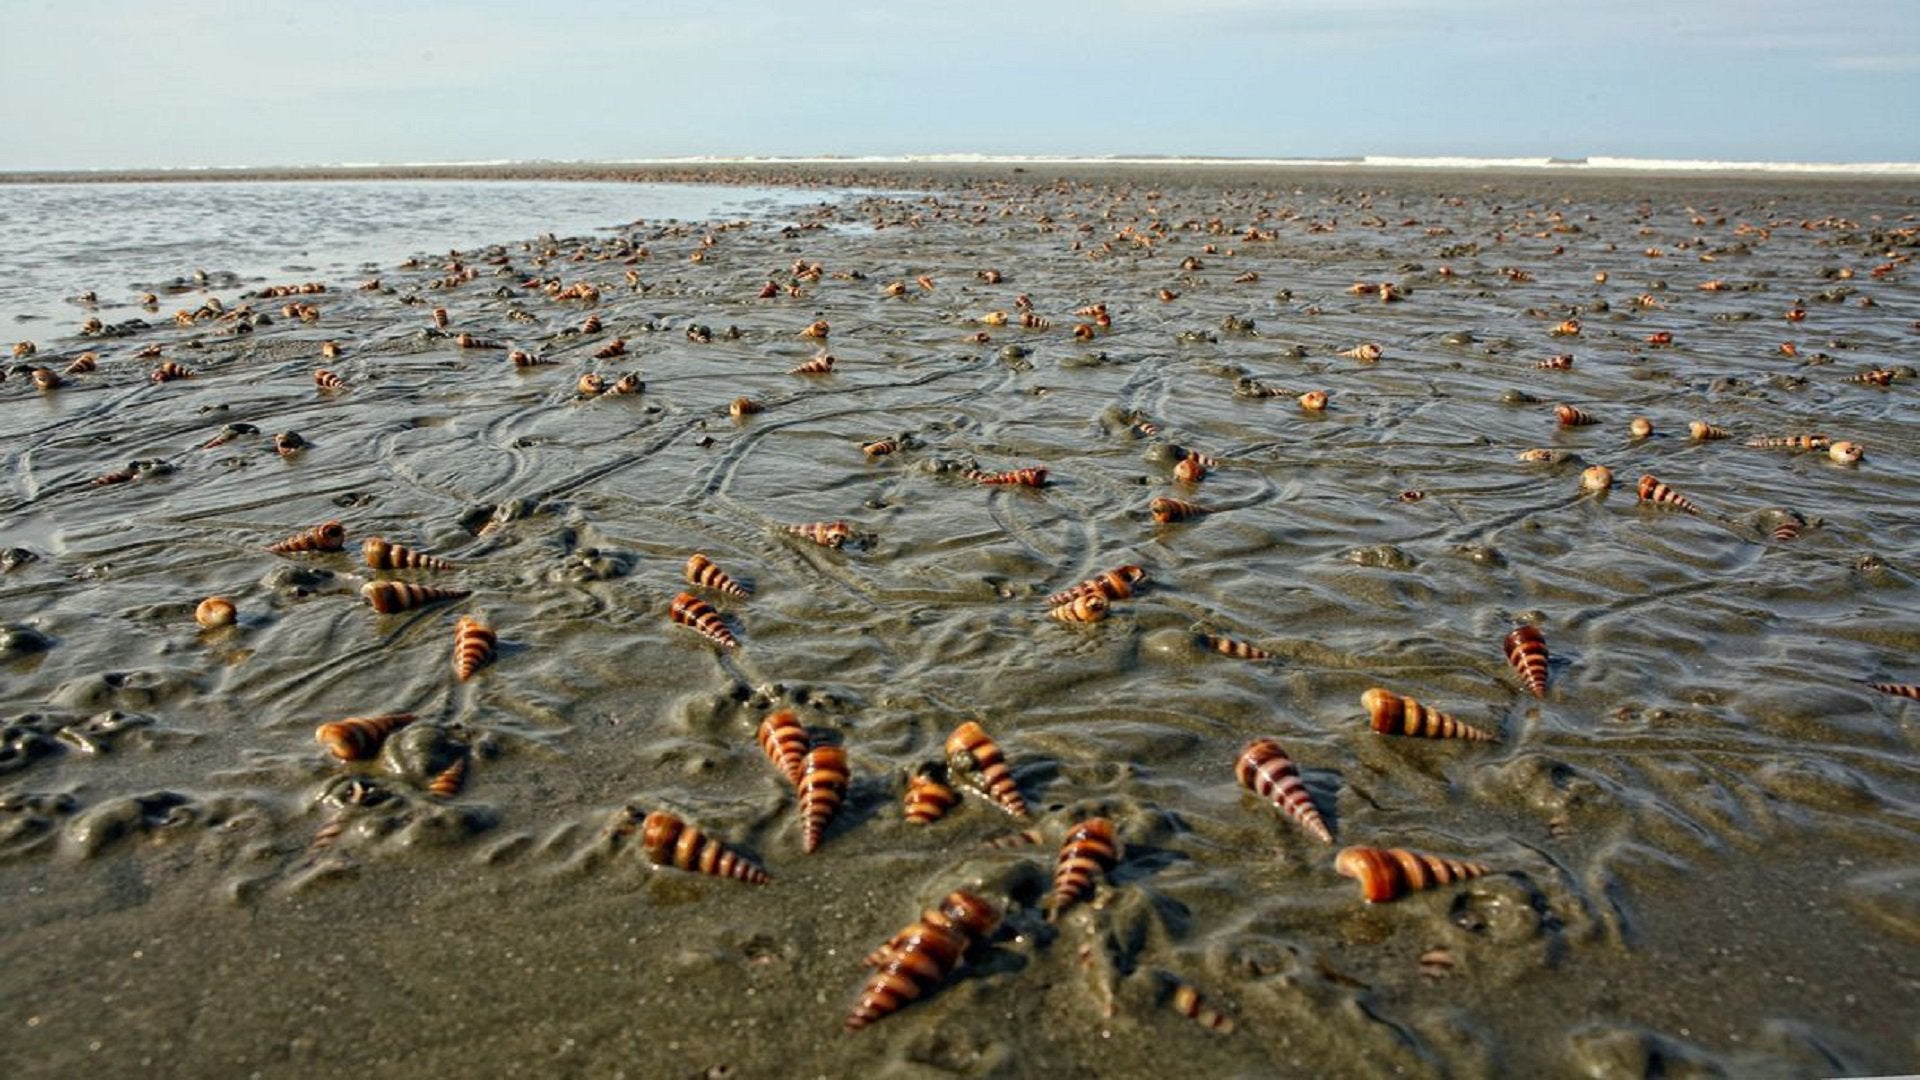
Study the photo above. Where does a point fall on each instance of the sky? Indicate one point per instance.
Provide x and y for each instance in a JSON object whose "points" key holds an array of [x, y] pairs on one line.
{"points": [[172, 83]]}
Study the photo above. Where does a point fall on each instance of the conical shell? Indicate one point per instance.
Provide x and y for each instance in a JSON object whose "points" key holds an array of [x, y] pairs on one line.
{"points": [[1572, 417], [690, 610], [1239, 650], [1265, 769], [784, 742], [1166, 511], [358, 738], [1390, 873], [1091, 608], [1905, 690], [448, 781], [1653, 491], [327, 536], [823, 787], [1182, 998], [973, 754], [825, 533], [382, 555], [473, 643], [920, 957], [669, 841], [391, 597], [1395, 715], [1526, 650], [1115, 584], [701, 571], [1028, 477], [928, 798], [1089, 849]]}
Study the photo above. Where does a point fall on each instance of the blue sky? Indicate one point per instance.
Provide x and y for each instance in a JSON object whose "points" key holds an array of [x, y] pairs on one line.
{"points": [[112, 83]]}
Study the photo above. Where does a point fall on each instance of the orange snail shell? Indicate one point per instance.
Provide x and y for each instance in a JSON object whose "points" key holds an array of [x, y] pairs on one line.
{"points": [[1027, 477], [690, 610], [473, 643], [1239, 650], [1640, 427], [1846, 453], [1115, 584], [918, 958], [1390, 873], [1526, 650], [381, 555], [1701, 431], [1265, 769], [784, 742], [1189, 470], [701, 571], [879, 447], [819, 365], [1089, 848], [1392, 714], [823, 787], [1790, 442], [1084, 609], [448, 782], [1165, 510], [327, 536], [1313, 400], [741, 406], [1653, 491], [972, 752], [1596, 478], [358, 738], [392, 597], [1572, 417], [327, 380], [669, 841], [1188, 1002], [215, 612], [928, 799], [1905, 690], [825, 533]]}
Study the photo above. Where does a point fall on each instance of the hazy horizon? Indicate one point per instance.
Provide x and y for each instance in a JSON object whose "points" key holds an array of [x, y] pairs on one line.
{"points": [[214, 83]]}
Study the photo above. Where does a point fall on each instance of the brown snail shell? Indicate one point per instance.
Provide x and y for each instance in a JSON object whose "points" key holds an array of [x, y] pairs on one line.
{"points": [[972, 753], [1115, 584], [785, 743], [1265, 769], [920, 957], [1390, 873], [381, 555], [669, 841], [1392, 714], [690, 610], [701, 571], [1526, 650], [1085, 609], [1089, 849], [358, 738], [1654, 491], [215, 612], [392, 597], [823, 787], [327, 536], [473, 644], [928, 798]]}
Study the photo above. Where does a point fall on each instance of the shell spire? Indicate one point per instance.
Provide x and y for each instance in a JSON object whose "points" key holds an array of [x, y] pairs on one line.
{"points": [[920, 957], [1526, 650], [701, 571], [392, 597], [1032, 476], [1089, 849], [1390, 873], [1392, 714], [690, 610], [448, 782], [381, 555], [473, 645], [823, 787], [972, 753], [669, 841], [928, 797], [358, 738], [327, 536], [1265, 769], [1654, 491], [1090, 608], [784, 742], [825, 533], [1115, 584], [1239, 650]]}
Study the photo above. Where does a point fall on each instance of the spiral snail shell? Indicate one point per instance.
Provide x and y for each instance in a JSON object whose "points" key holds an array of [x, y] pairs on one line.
{"points": [[1392, 714], [1572, 417], [616, 347], [1846, 453], [824, 777], [1115, 584], [358, 738], [669, 841], [689, 610], [1180, 996], [1165, 511], [825, 533], [1189, 470], [393, 597], [47, 379], [879, 447], [1790, 442], [701, 571], [1092, 607], [168, 372], [1654, 491], [473, 645], [1366, 353], [1562, 362], [1526, 650], [441, 318], [784, 742], [1905, 690], [1567, 328], [1313, 400], [1701, 431], [1027, 477], [1239, 650], [215, 612], [381, 555], [972, 753], [627, 385], [1089, 849], [1390, 873], [920, 957], [819, 365], [816, 329], [327, 380], [742, 406], [327, 536], [1265, 769], [448, 781], [928, 798], [590, 384]]}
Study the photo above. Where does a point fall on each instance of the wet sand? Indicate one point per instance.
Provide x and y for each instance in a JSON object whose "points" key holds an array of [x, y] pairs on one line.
{"points": [[1701, 841]]}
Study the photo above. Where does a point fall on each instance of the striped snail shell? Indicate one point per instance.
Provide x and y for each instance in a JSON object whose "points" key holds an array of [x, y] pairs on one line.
{"points": [[1181, 997], [473, 643], [215, 612], [1265, 769], [83, 363], [1526, 650], [825, 533], [392, 597], [879, 447], [690, 610], [1027, 477], [591, 384], [1239, 650], [1390, 873], [448, 781], [1166, 511], [741, 406], [441, 318], [1596, 478], [1701, 431], [1392, 714], [1846, 453], [1031, 321], [920, 957], [327, 536], [47, 379], [701, 571], [358, 738], [1658, 493], [1089, 849], [524, 359], [1905, 690], [1787, 531], [1082, 609], [669, 841], [819, 365], [1790, 442], [784, 742], [1189, 470], [928, 797], [824, 777], [1115, 584], [382, 555], [1876, 377], [1366, 353], [627, 385], [329, 350], [816, 329], [616, 347], [1572, 417], [972, 753], [1561, 362], [168, 372], [994, 318], [327, 380], [1083, 331]]}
